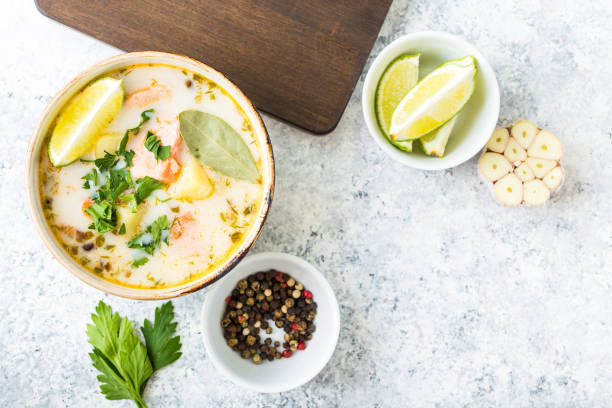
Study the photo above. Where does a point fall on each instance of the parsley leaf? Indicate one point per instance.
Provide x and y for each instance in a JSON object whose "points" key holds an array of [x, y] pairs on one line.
{"points": [[128, 155], [157, 228], [140, 262], [118, 355], [152, 238], [145, 186], [106, 162], [153, 144], [131, 200], [122, 229], [92, 177], [162, 348], [104, 216]]}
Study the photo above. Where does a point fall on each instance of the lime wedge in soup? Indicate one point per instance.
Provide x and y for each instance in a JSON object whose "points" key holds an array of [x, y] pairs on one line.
{"points": [[84, 119]]}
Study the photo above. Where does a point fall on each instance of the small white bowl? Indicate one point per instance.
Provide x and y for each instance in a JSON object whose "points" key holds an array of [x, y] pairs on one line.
{"points": [[286, 373], [476, 121]]}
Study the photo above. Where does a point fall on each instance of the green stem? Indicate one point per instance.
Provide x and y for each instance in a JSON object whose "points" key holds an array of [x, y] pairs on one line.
{"points": [[140, 402]]}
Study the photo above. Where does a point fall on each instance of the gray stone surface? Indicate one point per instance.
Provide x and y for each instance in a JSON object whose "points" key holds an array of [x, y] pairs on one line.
{"points": [[447, 299]]}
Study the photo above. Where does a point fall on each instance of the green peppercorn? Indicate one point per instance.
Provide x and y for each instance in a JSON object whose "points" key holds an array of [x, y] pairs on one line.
{"points": [[232, 342], [290, 282], [250, 340]]}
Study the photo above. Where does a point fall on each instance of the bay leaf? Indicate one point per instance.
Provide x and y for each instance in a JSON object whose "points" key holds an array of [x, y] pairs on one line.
{"points": [[216, 144]]}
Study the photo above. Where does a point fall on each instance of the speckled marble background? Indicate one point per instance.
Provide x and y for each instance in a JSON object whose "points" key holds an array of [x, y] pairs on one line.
{"points": [[447, 299]]}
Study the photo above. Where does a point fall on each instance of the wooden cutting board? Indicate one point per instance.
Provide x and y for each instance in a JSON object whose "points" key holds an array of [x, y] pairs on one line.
{"points": [[298, 60]]}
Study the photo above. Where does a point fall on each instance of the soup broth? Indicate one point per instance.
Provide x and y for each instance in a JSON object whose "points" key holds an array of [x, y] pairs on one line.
{"points": [[182, 230]]}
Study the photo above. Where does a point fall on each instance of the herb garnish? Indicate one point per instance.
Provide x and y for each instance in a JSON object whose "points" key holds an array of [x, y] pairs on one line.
{"points": [[152, 238], [124, 362], [140, 261], [116, 182], [145, 186], [104, 216], [106, 162], [153, 144], [92, 177], [128, 155]]}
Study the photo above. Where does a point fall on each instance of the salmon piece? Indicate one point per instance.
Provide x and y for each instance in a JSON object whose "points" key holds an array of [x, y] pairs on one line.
{"points": [[86, 205], [181, 223], [146, 96], [145, 163]]}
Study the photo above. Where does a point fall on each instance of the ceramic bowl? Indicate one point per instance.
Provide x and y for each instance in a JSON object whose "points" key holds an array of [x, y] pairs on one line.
{"points": [[42, 130], [286, 373], [476, 121]]}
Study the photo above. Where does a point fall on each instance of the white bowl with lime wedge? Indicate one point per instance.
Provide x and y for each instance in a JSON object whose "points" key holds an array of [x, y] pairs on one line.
{"points": [[430, 100]]}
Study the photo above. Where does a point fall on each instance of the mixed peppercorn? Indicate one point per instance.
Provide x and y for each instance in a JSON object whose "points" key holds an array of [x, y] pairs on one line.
{"points": [[263, 297]]}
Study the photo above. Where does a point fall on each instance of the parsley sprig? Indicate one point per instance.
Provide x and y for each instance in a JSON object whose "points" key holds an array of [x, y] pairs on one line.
{"points": [[124, 362]]}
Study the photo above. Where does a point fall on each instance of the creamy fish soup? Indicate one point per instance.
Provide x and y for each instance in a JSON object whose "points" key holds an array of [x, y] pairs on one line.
{"points": [[153, 176]]}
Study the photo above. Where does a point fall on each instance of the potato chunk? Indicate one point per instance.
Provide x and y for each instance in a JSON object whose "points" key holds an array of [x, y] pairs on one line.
{"points": [[130, 219], [192, 183]]}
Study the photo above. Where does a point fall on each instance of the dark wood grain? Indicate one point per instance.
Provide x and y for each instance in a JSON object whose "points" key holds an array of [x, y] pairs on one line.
{"points": [[295, 59]]}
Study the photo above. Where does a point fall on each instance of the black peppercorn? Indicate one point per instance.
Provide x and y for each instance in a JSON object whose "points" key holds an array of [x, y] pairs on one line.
{"points": [[263, 297]]}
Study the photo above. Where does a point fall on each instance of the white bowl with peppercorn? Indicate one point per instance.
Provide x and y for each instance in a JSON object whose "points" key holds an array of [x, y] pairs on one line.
{"points": [[272, 324]]}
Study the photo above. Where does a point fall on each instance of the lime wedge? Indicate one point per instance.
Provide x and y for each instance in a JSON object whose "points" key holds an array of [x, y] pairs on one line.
{"points": [[434, 100], [83, 120], [434, 142], [397, 80]]}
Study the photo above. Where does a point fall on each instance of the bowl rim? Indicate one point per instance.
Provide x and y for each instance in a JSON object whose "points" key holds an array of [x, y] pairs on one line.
{"points": [[31, 180], [273, 257], [391, 51]]}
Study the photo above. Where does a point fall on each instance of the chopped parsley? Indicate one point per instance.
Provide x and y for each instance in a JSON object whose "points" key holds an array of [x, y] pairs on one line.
{"points": [[152, 238], [153, 144], [128, 155], [106, 162], [91, 179], [104, 216], [110, 180], [140, 261], [145, 186]]}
